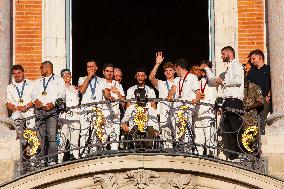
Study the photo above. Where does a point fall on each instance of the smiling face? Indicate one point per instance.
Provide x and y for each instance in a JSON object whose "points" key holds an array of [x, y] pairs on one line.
{"points": [[196, 71], [18, 75], [141, 77], [169, 73], [67, 77]]}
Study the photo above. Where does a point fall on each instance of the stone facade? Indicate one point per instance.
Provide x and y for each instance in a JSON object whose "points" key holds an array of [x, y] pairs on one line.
{"points": [[146, 171], [273, 140], [9, 147], [239, 23]]}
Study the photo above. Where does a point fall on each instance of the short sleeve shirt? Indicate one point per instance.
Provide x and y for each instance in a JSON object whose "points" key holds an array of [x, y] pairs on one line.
{"points": [[97, 85]]}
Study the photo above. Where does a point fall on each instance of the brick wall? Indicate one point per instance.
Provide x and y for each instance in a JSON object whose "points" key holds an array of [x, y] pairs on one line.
{"points": [[250, 27], [28, 36]]}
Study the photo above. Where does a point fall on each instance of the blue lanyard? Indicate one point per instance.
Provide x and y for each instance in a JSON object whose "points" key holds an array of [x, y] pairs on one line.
{"points": [[21, 93], [45, 85], [93, 88], [167, 84]]}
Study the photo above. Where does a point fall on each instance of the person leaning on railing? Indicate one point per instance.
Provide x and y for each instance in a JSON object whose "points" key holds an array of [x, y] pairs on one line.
{"points": [[140, 121], [19, 96], [163, 87], [111, 110], [46, 91], [93, 91], [186, 88], [70, 127]]}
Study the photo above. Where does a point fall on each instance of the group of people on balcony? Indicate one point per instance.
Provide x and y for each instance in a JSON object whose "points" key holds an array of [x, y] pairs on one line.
{"points": [[243, 91]]}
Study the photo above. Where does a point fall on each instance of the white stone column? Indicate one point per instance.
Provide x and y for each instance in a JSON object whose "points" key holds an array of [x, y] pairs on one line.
{"points": [[9, 147], [226, 20], [5, 52], [54, 47], [274, 138], [226, 31]]}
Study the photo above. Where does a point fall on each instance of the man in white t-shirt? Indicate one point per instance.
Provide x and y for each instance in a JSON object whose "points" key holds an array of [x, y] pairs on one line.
{"points": [[70, 129], [92, 90], [19, 97], [141, 77], [204, 117], [187, 90], [163, 87], [46, 91], [111, 110]]}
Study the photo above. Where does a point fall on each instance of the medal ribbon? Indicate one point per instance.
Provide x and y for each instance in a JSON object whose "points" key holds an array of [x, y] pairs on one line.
{"points": [[21, 93], [180, 86], [202, 87], [45, 85], [93, 87]]}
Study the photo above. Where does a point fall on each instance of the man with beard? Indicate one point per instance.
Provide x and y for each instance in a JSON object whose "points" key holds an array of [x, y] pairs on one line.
{"points": [[19, 96], [184, 89], [111, 111], [46, 91], [93, 91], [141, 108], [232, 81], [204, 118], [141, 77]]}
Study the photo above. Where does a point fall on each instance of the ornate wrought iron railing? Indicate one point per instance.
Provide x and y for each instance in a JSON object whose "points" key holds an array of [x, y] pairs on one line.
{"points": [[93, 130]]}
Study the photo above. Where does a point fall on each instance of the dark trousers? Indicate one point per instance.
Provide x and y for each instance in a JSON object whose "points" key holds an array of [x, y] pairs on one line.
{"points": [[232, 127], [47, 122]]}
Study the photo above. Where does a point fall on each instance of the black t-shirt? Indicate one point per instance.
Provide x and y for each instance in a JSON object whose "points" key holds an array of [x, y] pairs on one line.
{"points": [[260, 77]]}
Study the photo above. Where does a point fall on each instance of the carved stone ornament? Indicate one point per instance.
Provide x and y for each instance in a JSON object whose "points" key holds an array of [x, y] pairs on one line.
{"points": [[143, 179]]}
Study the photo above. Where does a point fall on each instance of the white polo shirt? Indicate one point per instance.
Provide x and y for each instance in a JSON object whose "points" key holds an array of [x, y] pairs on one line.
{"points": [[97, 84], [233, 83], [149, 92], [72, 98], [55, 88], [209, 91], [12, 93], [187, 87], [163, 87], [106, 85]]}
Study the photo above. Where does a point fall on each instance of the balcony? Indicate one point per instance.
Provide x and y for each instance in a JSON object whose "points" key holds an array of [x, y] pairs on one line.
{"points": [[151, 135]]}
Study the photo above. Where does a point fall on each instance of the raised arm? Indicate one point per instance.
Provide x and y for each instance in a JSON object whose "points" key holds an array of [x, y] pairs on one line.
{"points": [[152, 76], [83, 87]]}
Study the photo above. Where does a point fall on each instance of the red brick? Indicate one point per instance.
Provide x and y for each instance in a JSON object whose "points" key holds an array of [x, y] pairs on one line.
{"points": [[250, 27], [28, 39]]}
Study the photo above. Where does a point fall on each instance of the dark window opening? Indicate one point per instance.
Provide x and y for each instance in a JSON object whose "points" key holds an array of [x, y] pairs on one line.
{"points": [[128, 33]]}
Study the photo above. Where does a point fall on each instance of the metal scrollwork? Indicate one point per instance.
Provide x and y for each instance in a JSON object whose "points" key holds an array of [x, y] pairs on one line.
{"points": [[99, 124], [182, 120], [33, 141], [250, 132], [140, 118]]}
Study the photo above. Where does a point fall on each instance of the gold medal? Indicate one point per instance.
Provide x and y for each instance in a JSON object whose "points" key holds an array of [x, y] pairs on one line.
{"points": [[21, 101], [44, 93]]}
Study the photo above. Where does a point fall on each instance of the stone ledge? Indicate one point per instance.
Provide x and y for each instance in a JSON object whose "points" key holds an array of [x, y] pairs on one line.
{"points": [[206, 169]]}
